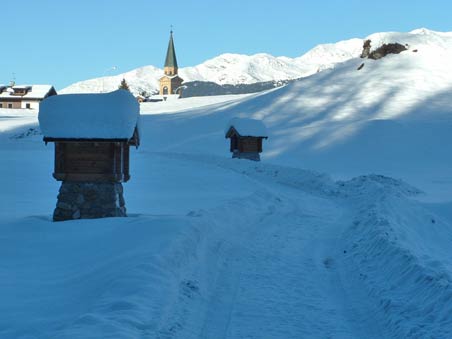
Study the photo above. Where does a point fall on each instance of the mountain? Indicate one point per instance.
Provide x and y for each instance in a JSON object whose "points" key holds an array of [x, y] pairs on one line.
{"points": [[230, 69]]}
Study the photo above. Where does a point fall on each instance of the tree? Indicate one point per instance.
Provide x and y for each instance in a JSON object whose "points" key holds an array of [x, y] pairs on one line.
{"points": [[124, 85]]}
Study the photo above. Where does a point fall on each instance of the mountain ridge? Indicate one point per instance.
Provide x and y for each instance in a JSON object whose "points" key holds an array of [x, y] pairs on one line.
{"points": [[239, 69], [230, 69]]}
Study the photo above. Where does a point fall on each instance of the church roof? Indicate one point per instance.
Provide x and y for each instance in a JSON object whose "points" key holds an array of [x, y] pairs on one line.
{"points": [[171, 60]]}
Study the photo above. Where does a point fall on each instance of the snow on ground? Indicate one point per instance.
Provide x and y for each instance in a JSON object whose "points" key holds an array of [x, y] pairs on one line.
{"points": [[14, 118], [222, 248]]}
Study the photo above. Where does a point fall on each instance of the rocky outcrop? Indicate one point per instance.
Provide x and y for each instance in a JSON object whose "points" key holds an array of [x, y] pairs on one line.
{"points": [[366, 49], [89, 200], [382, 51]]}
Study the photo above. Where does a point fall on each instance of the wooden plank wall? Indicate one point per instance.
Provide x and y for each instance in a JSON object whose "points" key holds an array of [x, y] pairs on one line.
{"points": [[92, 161], [249, 144]]}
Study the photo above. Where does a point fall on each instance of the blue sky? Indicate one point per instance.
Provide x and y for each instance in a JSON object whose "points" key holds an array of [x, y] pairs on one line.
{"points": [[60, 42]]}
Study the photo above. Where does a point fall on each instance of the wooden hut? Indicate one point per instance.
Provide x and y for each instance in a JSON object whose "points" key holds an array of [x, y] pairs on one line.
{"points": [[92, 135], [246, 138]]}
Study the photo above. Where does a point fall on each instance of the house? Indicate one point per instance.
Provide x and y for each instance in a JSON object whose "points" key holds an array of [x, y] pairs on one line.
{"points": [[171, 83], [92, 135], [246, 137], [25, 96]]}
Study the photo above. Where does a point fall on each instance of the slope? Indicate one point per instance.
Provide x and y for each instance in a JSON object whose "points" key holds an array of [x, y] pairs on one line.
{"points": [[391, 117]]}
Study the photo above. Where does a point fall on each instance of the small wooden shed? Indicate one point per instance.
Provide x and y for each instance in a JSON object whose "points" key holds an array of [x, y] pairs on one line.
{"points": [[246, 137], [92, 135]]}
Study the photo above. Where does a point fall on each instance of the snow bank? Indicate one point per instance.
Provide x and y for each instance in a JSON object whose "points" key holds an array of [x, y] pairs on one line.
{"points": [[399, 253], [83, 116]]}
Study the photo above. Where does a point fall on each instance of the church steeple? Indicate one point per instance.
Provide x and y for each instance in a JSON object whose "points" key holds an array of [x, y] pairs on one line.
{"points": [[170, 67], [171, 82]]}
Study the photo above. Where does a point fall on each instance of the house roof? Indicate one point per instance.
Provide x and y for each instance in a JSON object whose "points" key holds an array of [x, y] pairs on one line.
{"points": [[36, 92], [246, 127], [106, 116], [170, 60]]}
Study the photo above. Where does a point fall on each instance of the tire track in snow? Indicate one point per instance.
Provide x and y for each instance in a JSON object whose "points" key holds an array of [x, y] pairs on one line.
{"points": [[272, 262]]}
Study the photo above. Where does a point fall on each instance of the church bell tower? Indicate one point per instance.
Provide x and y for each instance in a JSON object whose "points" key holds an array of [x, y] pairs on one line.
{"points": [[171, 83]]}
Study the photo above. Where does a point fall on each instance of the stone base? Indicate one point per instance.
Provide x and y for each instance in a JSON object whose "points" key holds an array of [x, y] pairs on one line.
{"points": [[89, 200], [247, 155]]}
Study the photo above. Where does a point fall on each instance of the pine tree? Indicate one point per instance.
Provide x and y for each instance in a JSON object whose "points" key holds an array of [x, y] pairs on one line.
{"points": [[124, 85]]}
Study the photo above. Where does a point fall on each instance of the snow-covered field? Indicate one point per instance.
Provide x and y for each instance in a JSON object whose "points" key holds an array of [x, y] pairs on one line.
{"points": [[222, 248]]}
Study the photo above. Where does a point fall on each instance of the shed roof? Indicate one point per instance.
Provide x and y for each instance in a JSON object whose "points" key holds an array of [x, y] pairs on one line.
{"points": [[113, 115], [247, 127]]}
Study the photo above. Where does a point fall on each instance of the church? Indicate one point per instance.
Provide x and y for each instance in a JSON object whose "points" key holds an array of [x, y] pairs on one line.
{"points": [[171, 82]]}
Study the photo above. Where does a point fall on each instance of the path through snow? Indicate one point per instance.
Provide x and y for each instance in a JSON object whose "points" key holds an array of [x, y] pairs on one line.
{"points": [[272, 266]]}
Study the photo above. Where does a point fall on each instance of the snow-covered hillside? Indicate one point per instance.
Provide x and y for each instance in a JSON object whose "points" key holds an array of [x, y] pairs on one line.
{"points": [[390, 117], [221, 248], [231, 69]]}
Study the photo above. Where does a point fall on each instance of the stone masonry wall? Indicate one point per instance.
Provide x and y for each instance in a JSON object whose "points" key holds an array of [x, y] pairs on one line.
{"points": [[88, 200]]}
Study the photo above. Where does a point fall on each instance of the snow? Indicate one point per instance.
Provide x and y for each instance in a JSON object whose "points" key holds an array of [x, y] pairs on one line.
{"points": [[224, 248], [398, 238], [36, 92], [231, 68], [15, 118], [247, 127], [83, 116]]}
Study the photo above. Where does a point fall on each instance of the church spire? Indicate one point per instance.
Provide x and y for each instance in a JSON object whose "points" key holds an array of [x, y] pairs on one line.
{"points": [[171, 67], [171, 82]]}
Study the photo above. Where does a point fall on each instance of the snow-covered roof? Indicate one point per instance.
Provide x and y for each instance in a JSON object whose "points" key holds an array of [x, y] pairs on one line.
{"points": [[37, 92], [111, 115], [247, 127]]}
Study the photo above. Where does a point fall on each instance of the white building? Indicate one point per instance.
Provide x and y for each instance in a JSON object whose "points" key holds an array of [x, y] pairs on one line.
{"points": [[25, 96]]}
